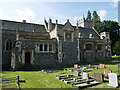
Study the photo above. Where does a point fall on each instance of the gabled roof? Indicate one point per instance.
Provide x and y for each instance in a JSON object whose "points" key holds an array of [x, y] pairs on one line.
{"points": [[60, 26], [87, 31], [68, 27], [13, 25]]}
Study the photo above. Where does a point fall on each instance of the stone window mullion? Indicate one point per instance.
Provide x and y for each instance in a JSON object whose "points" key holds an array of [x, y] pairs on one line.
{"points": [[38, 47], [43, 47], [48, 47]]}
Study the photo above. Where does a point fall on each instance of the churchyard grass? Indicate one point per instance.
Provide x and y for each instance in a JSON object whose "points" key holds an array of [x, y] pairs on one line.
{"points": [[39, 79], [116, 56]]}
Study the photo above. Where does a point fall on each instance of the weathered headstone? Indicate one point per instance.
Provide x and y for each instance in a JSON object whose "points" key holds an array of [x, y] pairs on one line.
{"points": [[96, 67], [89, 65], [85, 75], [98, 77], [107, 71], [76, 73], [113, 79], [75, 65], [102, 65], [69, 69]]}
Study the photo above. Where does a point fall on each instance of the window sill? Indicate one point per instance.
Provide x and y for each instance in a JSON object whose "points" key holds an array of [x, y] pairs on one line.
{"points": [[45, 52]]}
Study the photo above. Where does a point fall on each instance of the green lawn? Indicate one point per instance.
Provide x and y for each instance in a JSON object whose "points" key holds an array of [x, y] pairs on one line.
{"points": [[39, 79], [116, 56]]}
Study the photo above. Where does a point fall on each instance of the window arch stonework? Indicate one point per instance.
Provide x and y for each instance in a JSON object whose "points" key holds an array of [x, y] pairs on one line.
{"points": [[88, 46], [99, 46], [8, 45]]}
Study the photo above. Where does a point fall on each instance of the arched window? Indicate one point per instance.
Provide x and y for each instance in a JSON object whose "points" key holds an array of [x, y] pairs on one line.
{"points": [[99, 47], [41, 47], [8, 45], [88, 46], [45, 47]]}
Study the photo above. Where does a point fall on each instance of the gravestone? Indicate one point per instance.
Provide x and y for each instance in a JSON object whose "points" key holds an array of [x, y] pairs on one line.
{"points": [[88, 83], [76, 73], [89, 65], [107, 71], [75, 65], [102, 65], [85, 75], [69, 69], [118, 68], [96, 67], [98, 77], [113, 79]]}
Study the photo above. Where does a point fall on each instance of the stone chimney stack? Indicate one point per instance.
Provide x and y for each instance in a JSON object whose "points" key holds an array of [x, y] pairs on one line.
{"points": [[24, 21], [56, 26], [56, 21], [49, 25], [67, 20]]}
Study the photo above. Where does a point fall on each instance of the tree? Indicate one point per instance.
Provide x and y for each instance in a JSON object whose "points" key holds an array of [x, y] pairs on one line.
{"points": [[89, 15], [116, 48], [96, 18], [109, 26]]}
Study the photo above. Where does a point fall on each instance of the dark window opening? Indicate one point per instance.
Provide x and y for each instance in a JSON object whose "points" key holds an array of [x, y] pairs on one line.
{"points": [[50, 47], [88, 46], [99, 47], [45, 47], [41, 47], [9, 45]]}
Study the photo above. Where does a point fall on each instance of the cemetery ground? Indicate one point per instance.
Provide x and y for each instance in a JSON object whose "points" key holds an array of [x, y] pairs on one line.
{"points": [[40, 79], [117, 56]]}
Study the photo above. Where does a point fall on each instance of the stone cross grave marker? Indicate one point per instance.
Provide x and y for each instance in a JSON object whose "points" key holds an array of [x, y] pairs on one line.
{"points": [[85, 75], [98, 77], [76, 73], [113, 79], [118, 68], [75, 65], [102, 65], [107, 71]]}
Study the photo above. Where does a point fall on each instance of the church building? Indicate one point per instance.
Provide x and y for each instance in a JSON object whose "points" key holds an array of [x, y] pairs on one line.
{"points": [[52, 44]]}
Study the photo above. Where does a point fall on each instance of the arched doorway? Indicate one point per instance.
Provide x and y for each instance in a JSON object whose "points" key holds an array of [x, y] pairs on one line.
{"points": [[27, 57]]}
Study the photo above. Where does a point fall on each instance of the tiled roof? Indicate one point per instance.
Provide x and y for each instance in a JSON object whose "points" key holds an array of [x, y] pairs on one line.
{"points": [[87, 31], [13, 25], [84, 31], [60, 26]]}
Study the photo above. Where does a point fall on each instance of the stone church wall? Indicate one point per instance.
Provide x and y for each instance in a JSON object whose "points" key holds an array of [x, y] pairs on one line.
{"points": [[70, 52], [6, 54]]}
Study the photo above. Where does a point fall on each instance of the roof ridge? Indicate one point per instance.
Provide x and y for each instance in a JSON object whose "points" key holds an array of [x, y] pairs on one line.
{"points": [[21, 22]]}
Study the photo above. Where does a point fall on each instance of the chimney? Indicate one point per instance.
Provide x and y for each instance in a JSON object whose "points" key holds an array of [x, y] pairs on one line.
{"points": [[49, 24], [67, 20], [50, 20], [56, 26], [56, 21], [24, 21]]}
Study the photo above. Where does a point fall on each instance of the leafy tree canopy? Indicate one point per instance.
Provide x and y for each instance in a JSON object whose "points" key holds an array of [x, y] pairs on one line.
{"points": [[116, 48], [96, 18], [89, 15], [107, 26]]}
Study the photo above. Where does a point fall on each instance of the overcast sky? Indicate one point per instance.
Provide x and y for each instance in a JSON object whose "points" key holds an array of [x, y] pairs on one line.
{"points": [[35, 12]]}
